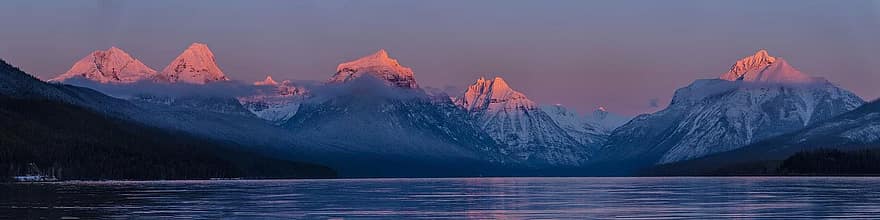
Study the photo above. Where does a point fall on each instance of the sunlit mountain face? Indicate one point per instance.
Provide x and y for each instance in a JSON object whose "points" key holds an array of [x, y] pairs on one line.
{"points": [[195, 65], [109, 66]]}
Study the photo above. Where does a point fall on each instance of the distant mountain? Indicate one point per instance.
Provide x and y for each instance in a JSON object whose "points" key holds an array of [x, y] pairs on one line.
{"points": [[529, 133], [607, 121], [195, 65], [76, 133], [600, 121], [275, 101], [378, 65], [857, 129], [109, 66], [579, 127], [760, 97]]}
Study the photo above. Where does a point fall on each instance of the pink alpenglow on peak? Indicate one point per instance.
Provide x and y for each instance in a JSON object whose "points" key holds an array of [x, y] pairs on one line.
{"points": [[761, 67], [283, 88], [109, 66], [493, 95], [195, 65], [379, 65], [266, 82], [759, 59]]}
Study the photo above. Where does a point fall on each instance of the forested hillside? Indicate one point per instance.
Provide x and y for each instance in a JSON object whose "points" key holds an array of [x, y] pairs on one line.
{"points": [[833, 162], [74, 143]]}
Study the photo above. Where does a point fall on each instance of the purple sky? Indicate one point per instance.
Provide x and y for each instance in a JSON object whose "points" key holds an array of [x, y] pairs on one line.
{"points": [[620, 54]]}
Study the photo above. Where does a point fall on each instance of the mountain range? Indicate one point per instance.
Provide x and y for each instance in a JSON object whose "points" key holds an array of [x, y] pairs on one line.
{"points": [[194, 65], [371, 117], [77, 133]]}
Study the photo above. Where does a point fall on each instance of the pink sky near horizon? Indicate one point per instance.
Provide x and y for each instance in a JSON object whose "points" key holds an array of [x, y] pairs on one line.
{"points": [[583, 54]]}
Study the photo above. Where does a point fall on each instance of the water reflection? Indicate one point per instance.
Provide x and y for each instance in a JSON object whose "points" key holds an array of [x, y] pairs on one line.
{"points": [[478, 198]]}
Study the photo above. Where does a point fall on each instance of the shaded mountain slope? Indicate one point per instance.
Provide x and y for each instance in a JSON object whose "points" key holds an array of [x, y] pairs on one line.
{"points": [[374, 129], [856, 129], [75, 143]]}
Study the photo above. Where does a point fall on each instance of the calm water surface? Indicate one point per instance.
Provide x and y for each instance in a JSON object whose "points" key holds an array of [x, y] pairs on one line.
{"points": [[478, 198]]}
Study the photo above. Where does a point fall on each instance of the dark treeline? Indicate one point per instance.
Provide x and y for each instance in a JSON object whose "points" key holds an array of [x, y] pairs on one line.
{"points": [[75, 143], [832, 162], [858, 159]]}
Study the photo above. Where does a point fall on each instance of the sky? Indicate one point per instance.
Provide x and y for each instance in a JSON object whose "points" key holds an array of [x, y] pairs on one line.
{"points": [[628, 56]]}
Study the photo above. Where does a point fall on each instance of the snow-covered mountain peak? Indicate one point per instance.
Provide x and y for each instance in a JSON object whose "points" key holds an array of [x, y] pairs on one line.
{"points": [[108, 66], [379, 65], [493, 95], [382, 54], [600, 113], [266, 82], [199, 47], [761, 67], [282, 88], [274, 101], [605, 120], [759, 59], [558, 110], [195, 65]]}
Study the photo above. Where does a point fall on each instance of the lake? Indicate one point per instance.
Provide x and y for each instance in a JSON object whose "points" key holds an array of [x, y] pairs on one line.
{"points": [[452, 198]]}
